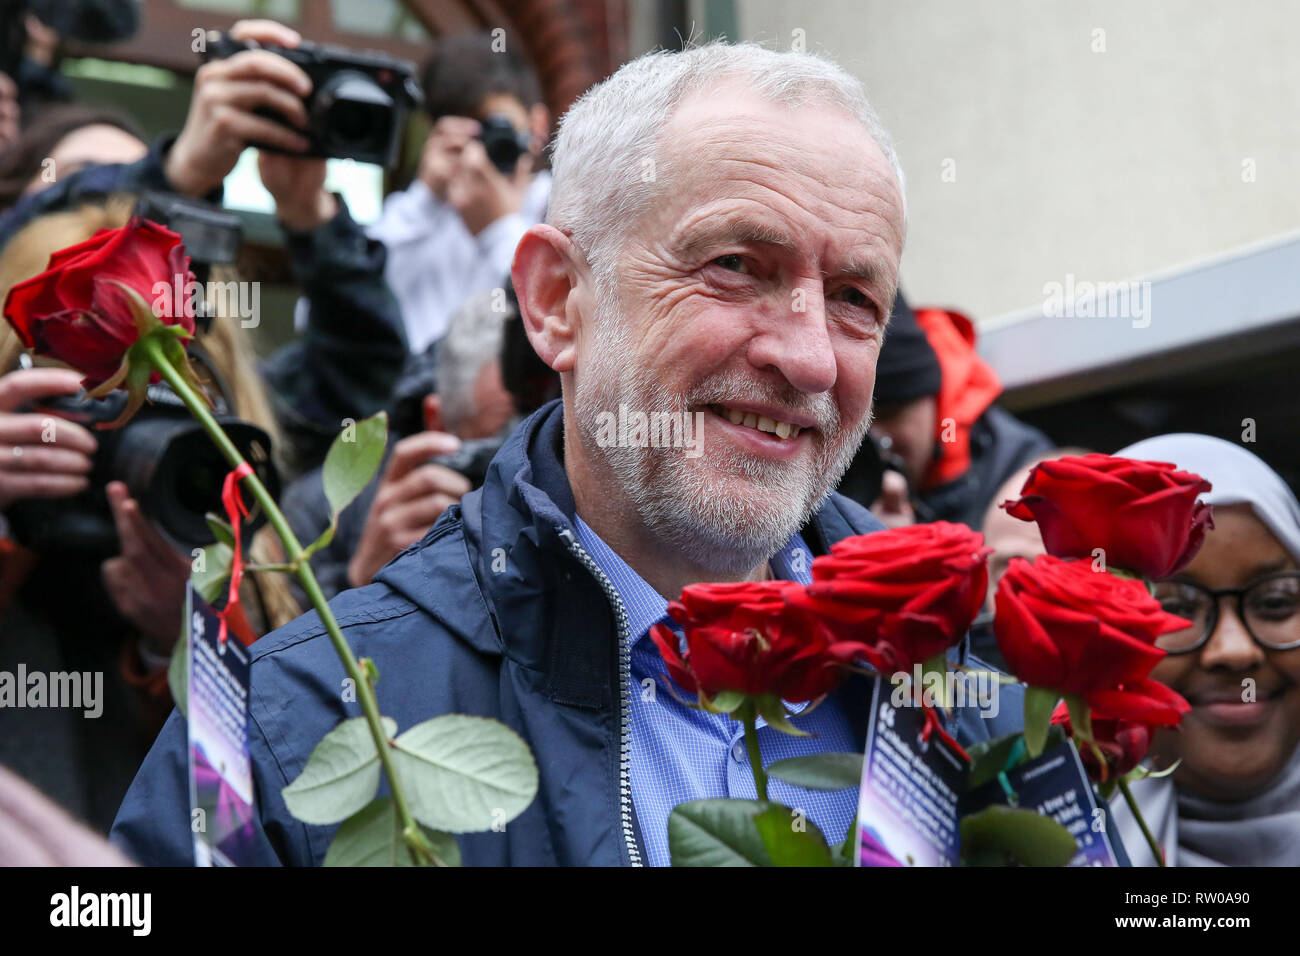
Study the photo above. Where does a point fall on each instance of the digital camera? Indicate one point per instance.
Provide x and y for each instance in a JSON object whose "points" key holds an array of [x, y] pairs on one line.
{"points": [[358, 104], [503, 143], [167, 462]]}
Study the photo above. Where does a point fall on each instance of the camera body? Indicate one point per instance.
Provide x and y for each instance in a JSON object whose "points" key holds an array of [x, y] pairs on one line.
{"points": [[866, 474], [473, 457], [165, 459], [503, 143], [358, 104]]}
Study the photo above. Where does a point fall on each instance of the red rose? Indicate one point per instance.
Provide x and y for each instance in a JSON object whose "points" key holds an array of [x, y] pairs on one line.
{"points": [[1123, 744], [1123, 721], [1144, 515], [76, 312], [749, 639], [1063, 626], [910, 593]]}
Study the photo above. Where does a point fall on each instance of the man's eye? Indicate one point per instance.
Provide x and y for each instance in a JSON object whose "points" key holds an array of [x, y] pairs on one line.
{"points": [[854, 297], [732, 263]]}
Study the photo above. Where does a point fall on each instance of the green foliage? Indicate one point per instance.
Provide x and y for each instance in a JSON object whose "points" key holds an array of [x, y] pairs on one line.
{"points": [[350, 464], [825, 771], [1003, 836], [341, 776], [464, 774], [373, 837]]}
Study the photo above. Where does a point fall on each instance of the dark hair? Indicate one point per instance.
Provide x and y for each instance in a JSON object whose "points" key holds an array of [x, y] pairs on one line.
{"points": [[22, 161], [464, 70]]}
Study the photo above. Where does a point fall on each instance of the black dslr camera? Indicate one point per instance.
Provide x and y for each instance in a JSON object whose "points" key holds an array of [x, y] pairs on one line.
{"points": [[358, 103], [166, 460], [473, 457], [503, 143]]}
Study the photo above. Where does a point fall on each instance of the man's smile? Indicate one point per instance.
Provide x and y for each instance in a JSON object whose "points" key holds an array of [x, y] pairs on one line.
{"points": [[779, 427]]}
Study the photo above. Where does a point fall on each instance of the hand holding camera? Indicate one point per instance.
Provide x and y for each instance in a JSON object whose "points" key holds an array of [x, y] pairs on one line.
{"points": [[481, 169], [412, 495], [41, 456], [146, 582], [223, 119]]}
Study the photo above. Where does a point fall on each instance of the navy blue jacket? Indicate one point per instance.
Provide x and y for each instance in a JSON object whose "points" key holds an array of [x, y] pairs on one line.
{"points": [[536, 645]]}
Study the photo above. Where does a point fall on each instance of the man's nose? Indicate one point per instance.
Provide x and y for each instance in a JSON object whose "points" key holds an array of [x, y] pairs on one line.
{"points": [[796, 342], [1230, 647]]}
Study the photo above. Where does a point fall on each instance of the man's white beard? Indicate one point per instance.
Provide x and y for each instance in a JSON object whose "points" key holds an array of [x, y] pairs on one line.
{"points": [[726, 510]]}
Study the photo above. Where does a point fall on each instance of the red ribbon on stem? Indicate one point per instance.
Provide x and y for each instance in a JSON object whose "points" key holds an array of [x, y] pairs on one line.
{"points": [[236, 511]]}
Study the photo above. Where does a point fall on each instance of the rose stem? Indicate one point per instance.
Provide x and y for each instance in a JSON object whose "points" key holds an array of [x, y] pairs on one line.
{"points": [[751, 744], [1137, 815], [153, 350]]}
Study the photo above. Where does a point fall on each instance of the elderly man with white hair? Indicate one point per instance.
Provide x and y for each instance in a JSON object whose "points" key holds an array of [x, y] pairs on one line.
{"points": [[722, 245]]}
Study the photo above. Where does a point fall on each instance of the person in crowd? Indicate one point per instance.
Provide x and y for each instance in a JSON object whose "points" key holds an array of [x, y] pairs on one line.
{"points": [[33, 34], [774, 177], [1234, 799], [1009, 538], [129, 605], [458, 388], [349, 356], [934, 417], [452, 232], [127, 626], [63, 140]]}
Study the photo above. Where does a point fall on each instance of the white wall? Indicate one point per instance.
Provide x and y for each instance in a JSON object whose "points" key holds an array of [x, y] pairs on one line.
{"points": [[1105, 164]]}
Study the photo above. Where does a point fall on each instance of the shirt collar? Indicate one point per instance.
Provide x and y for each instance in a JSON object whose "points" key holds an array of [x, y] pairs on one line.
{"points": [[645, 606]]}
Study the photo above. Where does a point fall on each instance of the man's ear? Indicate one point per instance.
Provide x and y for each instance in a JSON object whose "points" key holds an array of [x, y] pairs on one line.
{"points": [[545, 274], [433, 413]]}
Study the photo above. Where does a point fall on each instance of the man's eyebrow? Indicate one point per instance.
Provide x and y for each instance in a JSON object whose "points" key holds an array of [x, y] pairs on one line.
{"points": [[740, 232], [867, 269]]}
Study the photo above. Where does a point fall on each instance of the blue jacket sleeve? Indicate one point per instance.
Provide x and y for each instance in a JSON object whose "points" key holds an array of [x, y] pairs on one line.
{"points": [[153, 823]]}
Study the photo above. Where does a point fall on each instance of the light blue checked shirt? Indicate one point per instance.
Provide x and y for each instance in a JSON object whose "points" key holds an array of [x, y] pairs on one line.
{"points": [[679, 754]]}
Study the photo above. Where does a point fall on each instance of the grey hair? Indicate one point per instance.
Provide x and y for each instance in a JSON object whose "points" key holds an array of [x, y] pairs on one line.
{"points": [[608, 139], [474, 338]]}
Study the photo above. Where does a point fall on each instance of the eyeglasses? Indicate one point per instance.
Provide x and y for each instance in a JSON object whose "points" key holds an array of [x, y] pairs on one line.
{"points": [[1269, 607]]}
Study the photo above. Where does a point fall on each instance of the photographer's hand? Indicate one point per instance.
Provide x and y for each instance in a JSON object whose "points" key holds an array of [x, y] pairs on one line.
{"points": [[221, 120], [894, 507], [298, 187], [411, 496], [146, 582], [480, 193], [41, 455], [441, 154]]}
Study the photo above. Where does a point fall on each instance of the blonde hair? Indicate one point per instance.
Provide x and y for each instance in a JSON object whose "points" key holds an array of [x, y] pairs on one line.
{"points": [[28, 253]]}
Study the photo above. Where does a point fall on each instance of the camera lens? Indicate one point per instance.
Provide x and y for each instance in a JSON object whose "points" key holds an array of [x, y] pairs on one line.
{"points": [[354, 115]]}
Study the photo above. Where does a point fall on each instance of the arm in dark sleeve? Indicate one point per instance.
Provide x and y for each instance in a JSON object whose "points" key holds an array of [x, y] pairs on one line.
{"points": [[351, 354], [153, 825]]}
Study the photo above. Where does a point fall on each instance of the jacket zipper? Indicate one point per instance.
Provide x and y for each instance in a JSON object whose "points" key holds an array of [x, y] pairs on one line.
{"points": [[624, 705]]}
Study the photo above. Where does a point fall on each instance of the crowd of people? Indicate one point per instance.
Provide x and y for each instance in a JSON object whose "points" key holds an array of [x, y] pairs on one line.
{"points": [[490, 313]]}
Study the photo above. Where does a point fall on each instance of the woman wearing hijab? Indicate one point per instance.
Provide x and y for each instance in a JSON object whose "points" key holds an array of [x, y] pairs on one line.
{"points": [[1234, 799]]}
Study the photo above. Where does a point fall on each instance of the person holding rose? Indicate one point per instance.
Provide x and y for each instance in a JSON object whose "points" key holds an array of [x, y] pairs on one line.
{"points": [[747, 283], [1235, 798], [129, 601]]}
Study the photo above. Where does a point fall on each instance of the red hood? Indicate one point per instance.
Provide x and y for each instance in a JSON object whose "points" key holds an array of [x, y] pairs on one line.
{"points": [[969, 387]]}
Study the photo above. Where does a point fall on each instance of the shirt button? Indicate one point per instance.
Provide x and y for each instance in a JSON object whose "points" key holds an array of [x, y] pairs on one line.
{"points": [[738, 750]]}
